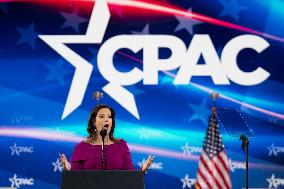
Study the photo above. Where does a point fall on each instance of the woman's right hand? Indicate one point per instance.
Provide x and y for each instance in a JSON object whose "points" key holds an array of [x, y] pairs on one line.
{"points": [[65, 164]]}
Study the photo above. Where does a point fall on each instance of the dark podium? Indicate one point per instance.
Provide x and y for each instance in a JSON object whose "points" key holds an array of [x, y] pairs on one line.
{"points": [[106, 179]]}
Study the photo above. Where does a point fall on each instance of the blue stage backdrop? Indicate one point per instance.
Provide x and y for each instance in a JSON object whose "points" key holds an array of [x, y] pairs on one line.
{"points": [[156, 63]]}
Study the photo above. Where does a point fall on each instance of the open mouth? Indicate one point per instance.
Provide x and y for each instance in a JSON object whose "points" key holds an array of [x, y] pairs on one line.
{"points": [[106, 126]]}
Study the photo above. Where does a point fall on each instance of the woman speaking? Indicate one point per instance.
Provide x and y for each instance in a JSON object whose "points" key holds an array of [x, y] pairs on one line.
{"points": [[88, 155]]}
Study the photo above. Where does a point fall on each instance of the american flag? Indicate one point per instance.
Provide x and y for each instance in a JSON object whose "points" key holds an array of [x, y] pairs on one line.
{"points": [[213, 170]]}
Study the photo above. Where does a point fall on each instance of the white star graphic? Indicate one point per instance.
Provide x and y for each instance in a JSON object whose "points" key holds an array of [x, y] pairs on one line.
{"points": [[185, 149], [187, 182], [83, 69], [14, 150], [57, 166], [14, 181], [271, 151], [271, 181]]}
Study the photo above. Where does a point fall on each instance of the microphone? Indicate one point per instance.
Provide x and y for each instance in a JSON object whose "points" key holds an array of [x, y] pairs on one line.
{"points": [[103, 132]]}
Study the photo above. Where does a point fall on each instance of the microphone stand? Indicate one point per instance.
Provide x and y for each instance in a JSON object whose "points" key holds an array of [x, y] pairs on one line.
{"points": [[245, 143], [103, 133]]}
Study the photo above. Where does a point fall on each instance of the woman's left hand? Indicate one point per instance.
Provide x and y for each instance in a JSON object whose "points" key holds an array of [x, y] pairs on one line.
{"points": [[147, 163]]}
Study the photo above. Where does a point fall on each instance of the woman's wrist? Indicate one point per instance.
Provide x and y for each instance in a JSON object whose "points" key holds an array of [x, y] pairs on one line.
{"points": [[144, 170]]}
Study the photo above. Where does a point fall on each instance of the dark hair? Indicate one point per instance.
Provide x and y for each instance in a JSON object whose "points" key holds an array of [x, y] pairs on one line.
{"points": [[92, 129]]}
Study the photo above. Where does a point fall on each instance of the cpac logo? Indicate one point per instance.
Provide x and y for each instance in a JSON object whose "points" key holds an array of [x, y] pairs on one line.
{"points": [[236, 165], [274, 150], [17, 182], [187, 182], [20, 149], [57, 165], [188, 150], [275, 182], [145, 133], [221, 70], [158, 165]]}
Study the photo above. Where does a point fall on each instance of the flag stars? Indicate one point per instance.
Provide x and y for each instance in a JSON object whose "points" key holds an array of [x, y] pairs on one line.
{"points": [[57, 72], [73, 20], [28, 35], [186, 23], [212, 151], [231, 8], [200, 112]]}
